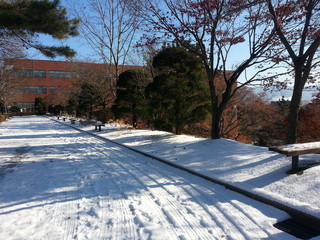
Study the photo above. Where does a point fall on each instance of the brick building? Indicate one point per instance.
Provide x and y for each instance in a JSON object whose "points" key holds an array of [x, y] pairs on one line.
{"points": [[45, 79]]}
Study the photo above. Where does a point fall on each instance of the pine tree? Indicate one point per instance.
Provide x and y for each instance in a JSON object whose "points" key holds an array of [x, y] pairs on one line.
{"points": [[87, 100], [131, 100], [178, 95], [39, 106], [26, 18]]}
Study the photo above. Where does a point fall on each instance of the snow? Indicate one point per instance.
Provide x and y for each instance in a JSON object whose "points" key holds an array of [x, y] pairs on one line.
{"points": [[59, 183], [249, 167], [300, 146]]}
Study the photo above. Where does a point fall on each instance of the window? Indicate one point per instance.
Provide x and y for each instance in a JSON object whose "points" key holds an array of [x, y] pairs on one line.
{"points": [[53, 89], [34, 89], [28, 106], [61, 74], [32, 73], [8, 67], [39, 73]]}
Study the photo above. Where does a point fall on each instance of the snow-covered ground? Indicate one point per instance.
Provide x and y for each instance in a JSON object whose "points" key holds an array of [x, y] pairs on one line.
{"points": [[249, 167], [58, 183]]}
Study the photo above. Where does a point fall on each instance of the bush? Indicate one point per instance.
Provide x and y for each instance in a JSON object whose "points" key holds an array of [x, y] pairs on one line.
{"points": [[103, 115], [15, 109], [55, 109], [39, 106], [3, 117]]}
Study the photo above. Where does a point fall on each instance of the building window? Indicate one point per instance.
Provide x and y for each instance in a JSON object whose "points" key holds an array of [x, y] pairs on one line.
{"points": [[61, 74], [32, 73], [26, 106], [8, 67], [39, 73], [53, 89], [34, 89]]}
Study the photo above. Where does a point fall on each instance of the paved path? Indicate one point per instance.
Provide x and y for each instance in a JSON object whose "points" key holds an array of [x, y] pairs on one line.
{"points": [[68, 185]]}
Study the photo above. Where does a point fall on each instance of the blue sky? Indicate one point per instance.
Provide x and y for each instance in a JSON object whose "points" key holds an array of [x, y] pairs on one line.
{"points": [[84, 52]]}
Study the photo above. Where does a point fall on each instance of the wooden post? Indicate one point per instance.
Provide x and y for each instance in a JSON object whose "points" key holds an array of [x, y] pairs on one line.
{"points": [[295, 162]]}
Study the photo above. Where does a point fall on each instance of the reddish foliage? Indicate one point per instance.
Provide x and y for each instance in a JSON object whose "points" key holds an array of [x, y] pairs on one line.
{"points": [[309, 124], [233, 40], [258, 121], [316, 96]]}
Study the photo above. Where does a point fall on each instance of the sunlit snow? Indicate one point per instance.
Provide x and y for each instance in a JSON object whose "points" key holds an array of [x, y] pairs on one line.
{"points": [[59, 183]]}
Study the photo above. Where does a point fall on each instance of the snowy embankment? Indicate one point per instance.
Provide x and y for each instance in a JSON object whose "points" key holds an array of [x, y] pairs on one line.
{"points": [[248, 167]]}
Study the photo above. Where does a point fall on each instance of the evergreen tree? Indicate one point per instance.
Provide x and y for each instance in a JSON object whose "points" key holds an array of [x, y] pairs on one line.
{"points": [[39, 106], [178, 95], [55, 109], [24, 19], [72, 104], [15, 109], [87, 100], [284, 106], [131, 101], [2, 107]]}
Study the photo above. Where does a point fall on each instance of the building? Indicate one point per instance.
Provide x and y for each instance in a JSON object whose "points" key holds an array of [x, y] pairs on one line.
{"points": [[45, 79]]}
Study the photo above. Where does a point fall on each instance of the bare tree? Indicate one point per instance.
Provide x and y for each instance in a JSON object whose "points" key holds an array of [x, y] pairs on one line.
{"points": [[298, 30], [211, 29], [110, 27], [10, 49], [98, 77]]}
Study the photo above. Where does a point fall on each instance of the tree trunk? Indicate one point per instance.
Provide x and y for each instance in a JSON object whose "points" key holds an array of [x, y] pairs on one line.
{"points": [[134, 117], [215, 119], [216, 124], [293, 116]]}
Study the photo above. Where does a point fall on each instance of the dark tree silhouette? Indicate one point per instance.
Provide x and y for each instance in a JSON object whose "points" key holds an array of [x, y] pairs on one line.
{"points": [[178, 95]]}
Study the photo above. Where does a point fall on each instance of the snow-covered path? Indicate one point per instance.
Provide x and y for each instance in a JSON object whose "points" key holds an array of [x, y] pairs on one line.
{"points": [[58, 183]]}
